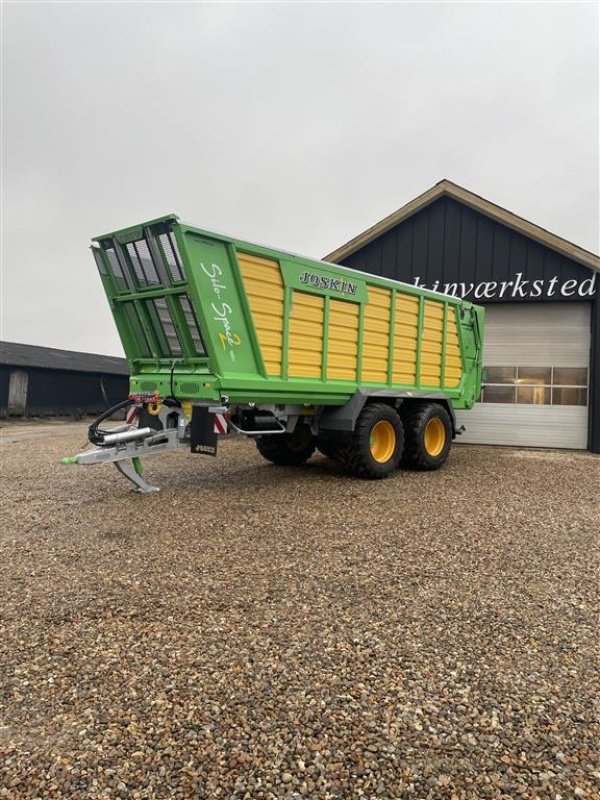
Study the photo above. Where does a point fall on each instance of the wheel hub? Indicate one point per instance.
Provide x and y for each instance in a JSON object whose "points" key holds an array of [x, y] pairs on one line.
{"points": [[434, 437], [382, 441]]}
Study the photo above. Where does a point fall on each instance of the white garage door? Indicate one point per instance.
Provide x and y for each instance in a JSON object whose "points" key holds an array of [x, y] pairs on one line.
{"points": [[537, 359]]}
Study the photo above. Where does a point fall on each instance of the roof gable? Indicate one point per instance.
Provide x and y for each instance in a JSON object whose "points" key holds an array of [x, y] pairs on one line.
{"points": [[464, 196]]}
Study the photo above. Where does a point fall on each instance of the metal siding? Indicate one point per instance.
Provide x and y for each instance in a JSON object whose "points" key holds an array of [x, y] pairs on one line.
{"points": [[468, 241], [389, 254], [450, 242], [501, 253], [354, 262], [484, 256], [556, 334], [528, 335], [435, 254], [66, 393], [116, 389], [374, 260], [4, 382], [518, 256], [60, 392], [525, 426], [420, 247], [552, 263], [402, 269], [535, 259]]}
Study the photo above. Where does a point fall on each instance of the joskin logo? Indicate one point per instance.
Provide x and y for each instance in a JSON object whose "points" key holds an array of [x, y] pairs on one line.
{"points": [[325, 282]]}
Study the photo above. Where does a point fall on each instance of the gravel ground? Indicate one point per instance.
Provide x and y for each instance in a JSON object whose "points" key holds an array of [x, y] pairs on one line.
{"points": [[265, 632]]}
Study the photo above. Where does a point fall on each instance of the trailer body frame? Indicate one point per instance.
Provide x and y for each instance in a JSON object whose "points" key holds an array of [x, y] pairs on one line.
{"points": [[225, 336], [267, 326]]}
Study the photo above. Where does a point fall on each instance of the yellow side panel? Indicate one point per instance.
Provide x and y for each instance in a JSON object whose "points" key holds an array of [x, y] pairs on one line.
{"points": [[264, 288], [453, 359], [305, 352], [342, 347], [405, 339], [376, 332], [431, 344]]}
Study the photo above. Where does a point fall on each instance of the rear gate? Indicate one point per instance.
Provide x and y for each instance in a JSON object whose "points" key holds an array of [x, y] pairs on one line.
{"points": [[144, 276]]}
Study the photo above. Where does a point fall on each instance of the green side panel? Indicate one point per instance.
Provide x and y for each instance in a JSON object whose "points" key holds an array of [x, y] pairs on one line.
{"points": [[181, 309], [217, 299]]}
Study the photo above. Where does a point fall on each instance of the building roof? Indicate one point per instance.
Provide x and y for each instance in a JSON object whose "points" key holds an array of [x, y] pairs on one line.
{"points": [[464, 196], [29, 355]]}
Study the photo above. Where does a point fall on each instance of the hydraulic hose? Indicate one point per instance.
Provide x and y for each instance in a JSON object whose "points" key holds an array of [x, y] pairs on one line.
{"points": [[96, 435]]}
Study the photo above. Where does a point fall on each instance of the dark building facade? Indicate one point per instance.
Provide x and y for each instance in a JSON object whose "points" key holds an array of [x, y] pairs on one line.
{"points": [[43, 381], [542, 298]]}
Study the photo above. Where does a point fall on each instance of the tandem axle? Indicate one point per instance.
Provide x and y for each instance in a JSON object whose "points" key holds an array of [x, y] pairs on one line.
{"points": [[371, 435]]}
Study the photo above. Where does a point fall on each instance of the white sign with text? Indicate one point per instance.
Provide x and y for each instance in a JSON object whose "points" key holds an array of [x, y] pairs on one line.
{"points": [[517, 289]]}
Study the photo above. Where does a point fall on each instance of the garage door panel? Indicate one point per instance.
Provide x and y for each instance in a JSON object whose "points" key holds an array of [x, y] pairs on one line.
{"points": [[525, 426], [521, 352], [541, 335], [527, 335]]}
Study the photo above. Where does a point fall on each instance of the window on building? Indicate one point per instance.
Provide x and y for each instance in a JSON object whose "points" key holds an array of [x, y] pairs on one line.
{"points": [[557, 386]]}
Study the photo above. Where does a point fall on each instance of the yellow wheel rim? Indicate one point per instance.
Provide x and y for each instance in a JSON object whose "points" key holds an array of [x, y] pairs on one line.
{"points": [[382, 441], [435, 436]]}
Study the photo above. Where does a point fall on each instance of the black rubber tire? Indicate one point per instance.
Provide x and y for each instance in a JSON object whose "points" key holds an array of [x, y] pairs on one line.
{"points": [[338, 451], [359, 458], [328, 448], [286, 449], [415, 417]]}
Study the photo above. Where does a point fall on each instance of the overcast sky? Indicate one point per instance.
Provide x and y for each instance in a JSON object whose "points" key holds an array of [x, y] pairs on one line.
{"points": [[296, 125]]}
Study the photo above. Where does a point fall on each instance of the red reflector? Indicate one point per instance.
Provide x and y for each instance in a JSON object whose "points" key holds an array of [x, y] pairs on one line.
{"points": [[220, 423]]}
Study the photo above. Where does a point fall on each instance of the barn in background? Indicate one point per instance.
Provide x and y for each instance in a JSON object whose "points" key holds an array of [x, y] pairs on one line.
{"points": [[42, 381], [542, 299]]}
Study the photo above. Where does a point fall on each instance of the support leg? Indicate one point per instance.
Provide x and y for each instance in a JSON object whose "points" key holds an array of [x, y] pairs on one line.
{"points": [[128, 469]]}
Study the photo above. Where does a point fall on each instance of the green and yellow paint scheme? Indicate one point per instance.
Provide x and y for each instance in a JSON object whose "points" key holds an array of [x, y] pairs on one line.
{"points": [[202, 315]]}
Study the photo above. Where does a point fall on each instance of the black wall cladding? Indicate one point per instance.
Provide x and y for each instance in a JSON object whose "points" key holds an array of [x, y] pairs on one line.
{"points": [[448, 242], [65, 392]]}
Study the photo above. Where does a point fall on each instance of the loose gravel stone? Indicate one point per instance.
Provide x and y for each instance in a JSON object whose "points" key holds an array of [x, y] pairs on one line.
{"points": [[263, 632]]}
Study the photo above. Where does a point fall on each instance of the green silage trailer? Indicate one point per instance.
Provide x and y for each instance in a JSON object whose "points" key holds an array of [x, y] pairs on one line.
{"points": [[227, 337]]}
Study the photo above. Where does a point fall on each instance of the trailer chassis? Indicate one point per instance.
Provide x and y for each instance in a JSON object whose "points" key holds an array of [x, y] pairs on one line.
{"points": [[155, 425], [125, 445]]}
